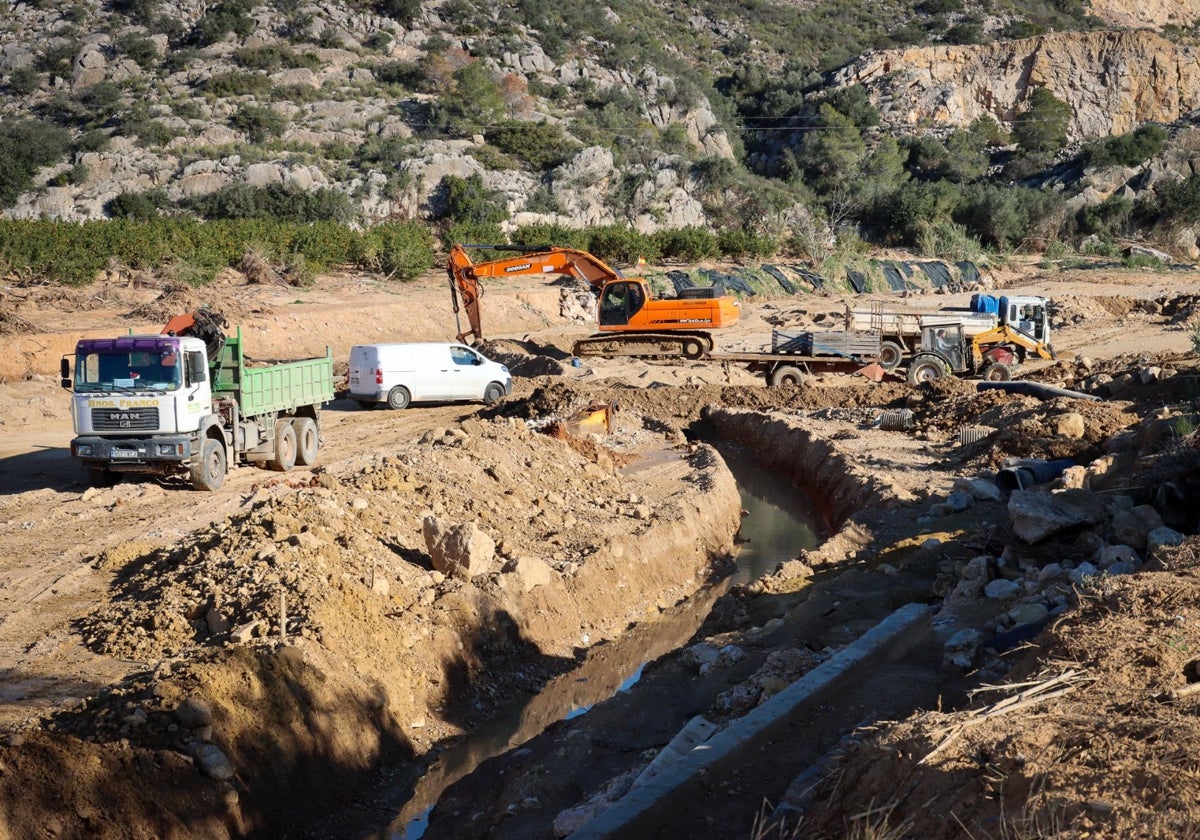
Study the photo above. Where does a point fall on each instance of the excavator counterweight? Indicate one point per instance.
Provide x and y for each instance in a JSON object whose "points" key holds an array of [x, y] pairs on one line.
{"points": [[630, 322]]}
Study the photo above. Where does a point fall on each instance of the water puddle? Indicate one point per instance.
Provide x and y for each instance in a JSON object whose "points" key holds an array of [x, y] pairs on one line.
{"points": [[778, 522]]}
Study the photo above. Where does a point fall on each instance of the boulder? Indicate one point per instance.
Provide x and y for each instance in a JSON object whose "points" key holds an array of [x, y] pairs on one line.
{"points": [[1037, 516]]}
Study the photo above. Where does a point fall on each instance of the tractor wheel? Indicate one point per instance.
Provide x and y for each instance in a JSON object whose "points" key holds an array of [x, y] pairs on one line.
{"points": [[891, 355], [997, 372], [925, 368], [285, 446]]}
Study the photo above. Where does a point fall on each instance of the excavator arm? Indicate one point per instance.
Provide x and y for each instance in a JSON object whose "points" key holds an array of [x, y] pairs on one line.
{"points": [[1005, 334], [466, 277]]}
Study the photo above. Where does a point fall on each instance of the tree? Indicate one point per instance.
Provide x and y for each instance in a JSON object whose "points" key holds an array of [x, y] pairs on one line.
{"points": [[1041, 129]]}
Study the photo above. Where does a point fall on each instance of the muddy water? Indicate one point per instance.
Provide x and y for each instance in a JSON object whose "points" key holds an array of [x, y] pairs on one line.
{"points": [[778, 522]]}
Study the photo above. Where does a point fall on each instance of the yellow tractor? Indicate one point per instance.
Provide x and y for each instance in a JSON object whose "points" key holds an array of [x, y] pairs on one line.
{"points": [[946, 350]]}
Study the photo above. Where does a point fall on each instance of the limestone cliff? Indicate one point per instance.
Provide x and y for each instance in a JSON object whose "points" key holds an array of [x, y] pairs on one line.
{"points": [[1114, 81], [1147, 12]]}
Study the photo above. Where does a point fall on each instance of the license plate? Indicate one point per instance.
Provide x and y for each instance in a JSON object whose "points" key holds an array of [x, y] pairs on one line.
{"points": [[124, 453], [353, 380]]}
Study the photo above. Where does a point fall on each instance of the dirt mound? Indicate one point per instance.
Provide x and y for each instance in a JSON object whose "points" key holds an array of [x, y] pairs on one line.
{"points": [[1090, 739]]}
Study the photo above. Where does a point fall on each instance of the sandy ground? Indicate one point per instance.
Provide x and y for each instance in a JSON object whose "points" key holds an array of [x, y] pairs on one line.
{"points": [[107, 597]]}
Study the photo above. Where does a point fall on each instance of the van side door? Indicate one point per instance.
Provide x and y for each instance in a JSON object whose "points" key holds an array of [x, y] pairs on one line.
{"points": [[468, 373]]}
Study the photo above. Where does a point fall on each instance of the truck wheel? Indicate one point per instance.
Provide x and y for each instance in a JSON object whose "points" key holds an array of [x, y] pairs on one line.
{"points": [[399, 397], [493, 393], [926, 367], [787, 375], [693, 348], [208, 471], [285, 447], [100, 477], [997, 372], [891, 355], [308, 441]]}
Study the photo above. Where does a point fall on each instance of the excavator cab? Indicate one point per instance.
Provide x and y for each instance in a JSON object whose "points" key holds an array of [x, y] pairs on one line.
{"points": [[620, 301]]}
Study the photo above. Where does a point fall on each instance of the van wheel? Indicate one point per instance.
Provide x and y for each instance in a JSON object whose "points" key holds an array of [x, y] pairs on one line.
{"points": [[308, 440], [399, 397], [493, 393], [285, 447], [208, 471]]}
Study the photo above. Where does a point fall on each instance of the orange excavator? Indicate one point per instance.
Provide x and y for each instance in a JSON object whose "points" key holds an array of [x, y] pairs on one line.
{"points": [[629, 320]]}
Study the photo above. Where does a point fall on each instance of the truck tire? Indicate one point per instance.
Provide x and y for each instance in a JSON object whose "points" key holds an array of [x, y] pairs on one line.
{"points": [[786, 375], [101, 477], [891, 355], [399, 397], [997, 372], [926, 367], [693, 348], [493, 393], [208, 471], [285, 447], [308, 441]]}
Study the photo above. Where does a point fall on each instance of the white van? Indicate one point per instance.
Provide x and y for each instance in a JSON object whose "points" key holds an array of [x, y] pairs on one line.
{"points": [[400, 374]]}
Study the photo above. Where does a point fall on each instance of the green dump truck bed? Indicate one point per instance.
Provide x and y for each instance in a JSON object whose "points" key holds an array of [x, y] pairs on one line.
{"points": [[278, 387]]}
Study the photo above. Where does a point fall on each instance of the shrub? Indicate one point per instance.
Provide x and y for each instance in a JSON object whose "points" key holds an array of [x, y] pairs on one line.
{"points": [[1131, 149], [618, 244], [690, 244], [139, 48], [235, 83], [26, 146], [542, 145], [220, 20], [407, 74], [275, 201], [746, 243], [1041, 128], [258, 123], [400, 250], [22, 81], [140, 205], [545, 234], [401, 11], [466, 200]]}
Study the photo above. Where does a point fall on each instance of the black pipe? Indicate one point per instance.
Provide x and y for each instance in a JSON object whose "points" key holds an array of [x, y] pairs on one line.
{"points": [[1035, 389]]}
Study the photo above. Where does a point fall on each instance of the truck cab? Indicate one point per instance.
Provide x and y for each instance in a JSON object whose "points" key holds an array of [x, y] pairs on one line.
{"points": [[138, 400]]}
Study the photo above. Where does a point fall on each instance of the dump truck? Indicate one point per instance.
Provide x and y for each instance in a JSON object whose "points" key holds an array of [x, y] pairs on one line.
{"points": [[900, 329], [188, 401]]}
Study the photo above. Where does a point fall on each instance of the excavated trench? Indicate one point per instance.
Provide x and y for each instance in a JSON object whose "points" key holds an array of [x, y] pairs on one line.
{"points": [[796, 490]]}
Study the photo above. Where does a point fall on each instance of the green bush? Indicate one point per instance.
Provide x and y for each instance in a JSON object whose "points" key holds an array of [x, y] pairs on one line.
{"points": [[401, 11], [139, 48], [619, 244], [22, 81], [236, 83], [1175, 202], [400, 250], [478, 233], [275, 201], [25, 147], [143, 205], [690, 244], [258, 123], [546, 234], [408, 75], [465, 200], [542, 145], [745, 243], [220, 20], [1131, 149]]}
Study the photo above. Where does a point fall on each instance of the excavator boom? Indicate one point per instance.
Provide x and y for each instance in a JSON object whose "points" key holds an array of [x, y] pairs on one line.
{"points": [[630, 320]]}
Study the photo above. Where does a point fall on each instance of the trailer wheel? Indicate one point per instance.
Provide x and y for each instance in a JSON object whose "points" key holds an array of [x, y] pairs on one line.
{"points": [[787, 375], [285, 447], [926, 367], [208, 471], [891, 355], [997, 372], [693, 348], [308, 441], [399, 397], [493, 393]]}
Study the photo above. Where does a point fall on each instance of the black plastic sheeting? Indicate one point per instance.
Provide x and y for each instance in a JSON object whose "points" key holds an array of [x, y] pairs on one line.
{"points": [[857, 280], [816, 280], [784, 283], [729, 281], [680, 280], [937, 272], [970, 272], [896, 280]]}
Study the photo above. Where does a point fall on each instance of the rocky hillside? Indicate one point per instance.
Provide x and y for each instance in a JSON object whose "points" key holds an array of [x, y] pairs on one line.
{"points": [[636, 115]]}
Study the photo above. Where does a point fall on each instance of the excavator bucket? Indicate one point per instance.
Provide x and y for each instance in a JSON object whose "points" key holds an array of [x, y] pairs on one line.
{"points": [[595, 419]]}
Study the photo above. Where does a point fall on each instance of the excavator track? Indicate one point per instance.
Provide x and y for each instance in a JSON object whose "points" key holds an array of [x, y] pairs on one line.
{"points": [[687, 345]]}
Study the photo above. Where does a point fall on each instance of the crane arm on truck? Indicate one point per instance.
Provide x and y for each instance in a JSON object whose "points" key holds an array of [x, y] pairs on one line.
{"points": [[630, 320], [204, 324]]}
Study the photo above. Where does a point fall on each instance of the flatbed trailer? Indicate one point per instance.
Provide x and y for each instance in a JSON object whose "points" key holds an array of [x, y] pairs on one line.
{"points": [[784, 369]]}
